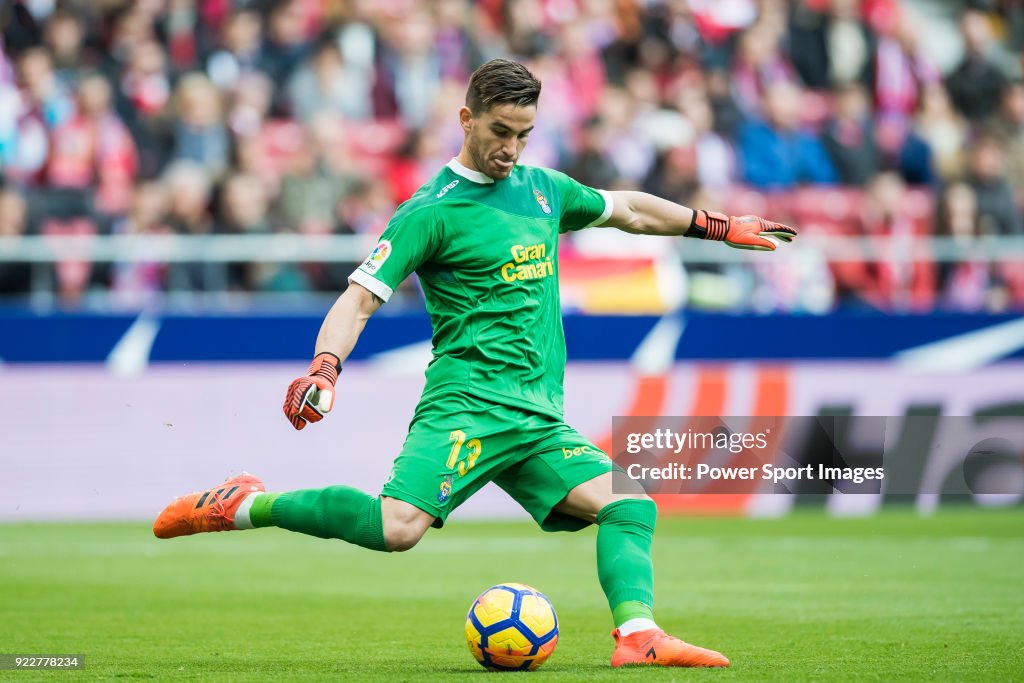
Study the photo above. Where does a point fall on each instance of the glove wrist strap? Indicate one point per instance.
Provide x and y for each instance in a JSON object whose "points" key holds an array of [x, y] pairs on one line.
{"points": [[708, 225], [325, 365]]}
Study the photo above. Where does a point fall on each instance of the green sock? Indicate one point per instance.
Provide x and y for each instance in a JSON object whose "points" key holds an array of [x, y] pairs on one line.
{"points": [[631, 609], [333, 512], [259, 512], [624, 565]]}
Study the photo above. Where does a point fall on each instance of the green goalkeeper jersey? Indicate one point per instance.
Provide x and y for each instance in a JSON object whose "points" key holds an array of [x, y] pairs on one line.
{"points": [[486, 253]]}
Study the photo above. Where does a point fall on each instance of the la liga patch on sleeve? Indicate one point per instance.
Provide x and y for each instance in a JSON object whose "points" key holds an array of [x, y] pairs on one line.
{"points": [[377, 257]]}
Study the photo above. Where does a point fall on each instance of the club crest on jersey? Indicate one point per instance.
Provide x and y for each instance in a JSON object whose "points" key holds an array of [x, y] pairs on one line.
{"points": [[542, 201], [377, 257], [446, 489]]}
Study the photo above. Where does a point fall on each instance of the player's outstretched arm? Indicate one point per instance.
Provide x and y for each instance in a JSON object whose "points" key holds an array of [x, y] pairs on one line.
{"points": [[311, 396], [644, 214]]}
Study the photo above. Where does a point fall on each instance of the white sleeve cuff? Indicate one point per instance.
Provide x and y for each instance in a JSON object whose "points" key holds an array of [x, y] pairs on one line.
{"points": [[609, 205], [363, 278]]}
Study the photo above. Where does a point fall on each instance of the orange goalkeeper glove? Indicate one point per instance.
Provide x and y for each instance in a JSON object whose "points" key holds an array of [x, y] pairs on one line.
{"points": [[741, 232], [311, 397]]}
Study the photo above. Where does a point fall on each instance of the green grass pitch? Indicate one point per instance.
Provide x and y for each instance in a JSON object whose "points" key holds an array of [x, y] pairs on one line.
{"points": [[807, 597]]}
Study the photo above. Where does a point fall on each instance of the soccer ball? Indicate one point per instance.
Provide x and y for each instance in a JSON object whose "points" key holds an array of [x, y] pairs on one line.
{"points": [[511, 627]]}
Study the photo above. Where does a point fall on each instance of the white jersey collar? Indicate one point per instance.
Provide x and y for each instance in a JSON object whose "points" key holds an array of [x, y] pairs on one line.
{"points": [[469, 174]]}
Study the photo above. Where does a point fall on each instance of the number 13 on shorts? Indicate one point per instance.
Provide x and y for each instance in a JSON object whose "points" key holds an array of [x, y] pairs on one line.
{"points": [[457, 438]]}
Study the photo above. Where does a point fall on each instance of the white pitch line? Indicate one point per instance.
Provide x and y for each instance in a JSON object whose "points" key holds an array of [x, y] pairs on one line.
{"points": [[411, 359], [130, 356], [966, 351], [656, 354]]}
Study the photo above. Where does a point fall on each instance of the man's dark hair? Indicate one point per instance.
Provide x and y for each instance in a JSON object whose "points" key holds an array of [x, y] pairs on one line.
{"points": [[501, 81]]}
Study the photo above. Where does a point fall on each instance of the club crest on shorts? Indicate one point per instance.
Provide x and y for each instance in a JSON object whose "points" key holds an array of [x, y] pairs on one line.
{"points": [[377, 257], [542, 201], [446, 489]]}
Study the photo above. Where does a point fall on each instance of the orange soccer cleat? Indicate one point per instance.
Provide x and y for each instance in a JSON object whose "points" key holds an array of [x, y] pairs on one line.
{"points": [[210, 510], [654, 647]]}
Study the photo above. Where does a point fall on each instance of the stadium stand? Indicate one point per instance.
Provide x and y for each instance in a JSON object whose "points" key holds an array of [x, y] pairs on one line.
{"points": [[318, 117]]}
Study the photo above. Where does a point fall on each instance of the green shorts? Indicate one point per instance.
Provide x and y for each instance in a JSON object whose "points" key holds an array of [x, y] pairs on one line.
{"points": [[458, 443]]}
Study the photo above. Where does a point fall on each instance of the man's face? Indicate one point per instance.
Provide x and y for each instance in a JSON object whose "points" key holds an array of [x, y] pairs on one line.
{"points": [[496, 138]]}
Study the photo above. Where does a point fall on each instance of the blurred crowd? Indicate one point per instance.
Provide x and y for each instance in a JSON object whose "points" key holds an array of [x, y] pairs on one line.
{"points": [[151, 117]]}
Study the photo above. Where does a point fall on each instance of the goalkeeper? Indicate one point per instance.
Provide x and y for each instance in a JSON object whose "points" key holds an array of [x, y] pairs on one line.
{"points": [[482, 235]]}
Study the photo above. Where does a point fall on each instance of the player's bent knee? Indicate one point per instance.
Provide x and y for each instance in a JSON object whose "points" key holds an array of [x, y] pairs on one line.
{"points": [[589, 498], [401, 538], [404, 524]]}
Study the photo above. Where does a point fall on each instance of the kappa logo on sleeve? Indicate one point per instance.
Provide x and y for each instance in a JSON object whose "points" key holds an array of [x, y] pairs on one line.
{"points": [[444, 190], [377, 257]]}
